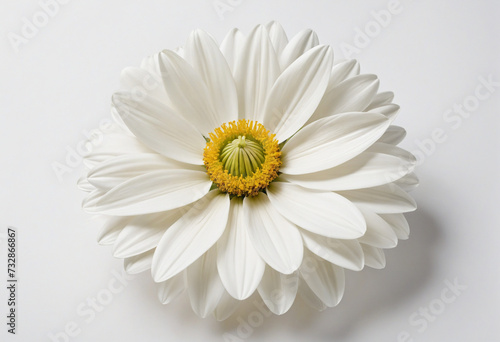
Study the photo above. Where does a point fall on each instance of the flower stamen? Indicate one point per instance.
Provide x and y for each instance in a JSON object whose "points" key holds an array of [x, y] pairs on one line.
{"points": [[242, 158]]}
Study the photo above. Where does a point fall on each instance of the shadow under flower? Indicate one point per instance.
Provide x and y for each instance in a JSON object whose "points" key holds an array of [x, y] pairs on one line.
{"points": [[368, 293]]}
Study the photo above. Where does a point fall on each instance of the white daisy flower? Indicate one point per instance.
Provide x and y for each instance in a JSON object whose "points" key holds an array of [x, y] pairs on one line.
{"points": [[259, 164]]}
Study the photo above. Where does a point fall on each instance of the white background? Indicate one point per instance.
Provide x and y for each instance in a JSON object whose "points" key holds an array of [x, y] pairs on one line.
{"points": [[432, 54]]}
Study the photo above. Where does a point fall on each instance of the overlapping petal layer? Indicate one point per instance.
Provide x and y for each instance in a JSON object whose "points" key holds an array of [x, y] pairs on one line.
{"points": [[336, 203]]}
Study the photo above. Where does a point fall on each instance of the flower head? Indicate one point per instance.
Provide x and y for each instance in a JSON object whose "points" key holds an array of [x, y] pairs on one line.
{"points": [[257, 164], [242, 158]]}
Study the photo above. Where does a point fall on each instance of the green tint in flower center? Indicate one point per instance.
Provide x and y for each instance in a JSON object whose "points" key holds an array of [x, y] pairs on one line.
{"points": [[242, 156]]}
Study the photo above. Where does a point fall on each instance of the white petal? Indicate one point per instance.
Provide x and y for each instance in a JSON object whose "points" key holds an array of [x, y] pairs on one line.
{"points": [[151, 65], [278, 290], [226, 307], [309, 297], [140, 82], [381, 99], [188, 93], [83, 183], [408, 182], [342, 71], [326, 280], [374, 257], [160, 128], [394, 135], [398, 223], [92, 198], [378, 232], [323, 213], [389, 149], [298, 45], [113, 145], [277, 240], [139, 263], [117, 170], [117, 120], [204, 286], [344, 253], [255, 72], [297, 92], [231, 47], [171, 288], [389, 110], [352, 95], [180, 51], [331, 141], [383, 199], [368, 169], [153, 192], [207, 60], [277, 36], [191, 236], [240, 266], [144, 232], [111, 228]]}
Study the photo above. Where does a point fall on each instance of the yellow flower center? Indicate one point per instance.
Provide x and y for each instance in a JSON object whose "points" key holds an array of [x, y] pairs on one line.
{"points": [[242, 158]]}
